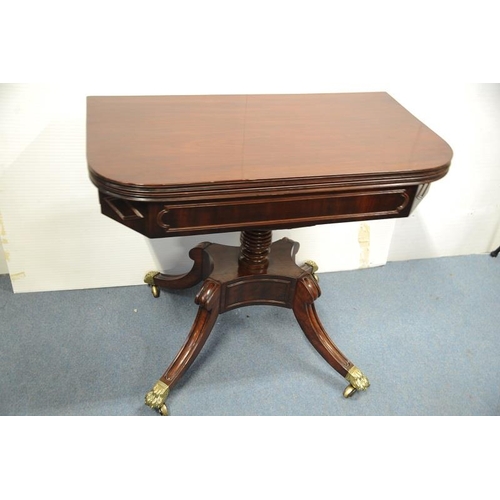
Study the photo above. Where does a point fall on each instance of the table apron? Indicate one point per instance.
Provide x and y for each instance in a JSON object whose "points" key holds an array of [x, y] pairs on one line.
{"points": [[162, 219]]}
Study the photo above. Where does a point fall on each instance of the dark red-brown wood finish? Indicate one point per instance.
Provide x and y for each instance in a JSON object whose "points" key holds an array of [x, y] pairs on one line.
{"points": [[180, 165], [275, 280]]}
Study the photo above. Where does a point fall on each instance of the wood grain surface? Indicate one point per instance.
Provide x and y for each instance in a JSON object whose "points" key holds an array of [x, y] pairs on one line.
{"points": [[149, 141]]}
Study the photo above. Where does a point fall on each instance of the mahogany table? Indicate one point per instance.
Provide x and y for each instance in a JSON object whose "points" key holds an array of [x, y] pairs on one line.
{"points": [[183, 165]]}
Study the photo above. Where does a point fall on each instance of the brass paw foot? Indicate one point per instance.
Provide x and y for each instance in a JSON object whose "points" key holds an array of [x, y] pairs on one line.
{"points": [[314, 268], [357, 382], [155, 398], [149, 279]]}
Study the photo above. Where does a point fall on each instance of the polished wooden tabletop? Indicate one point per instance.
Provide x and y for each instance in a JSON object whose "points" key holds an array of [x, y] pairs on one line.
{"points": [[178, 165], [156, 141]]}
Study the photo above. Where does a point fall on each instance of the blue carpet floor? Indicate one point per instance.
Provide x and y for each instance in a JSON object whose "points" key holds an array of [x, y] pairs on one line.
{"points": [[425, 332]]}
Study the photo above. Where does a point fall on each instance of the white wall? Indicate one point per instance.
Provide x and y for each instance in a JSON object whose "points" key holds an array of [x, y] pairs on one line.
{"points": [[54, 233], [57, 239], [55, 236], [3, 258], [461, 215], [3, 262]]}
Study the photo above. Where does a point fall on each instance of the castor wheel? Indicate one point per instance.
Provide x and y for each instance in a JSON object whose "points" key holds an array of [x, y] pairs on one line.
{"points": [[149, 279], [349, 391]]}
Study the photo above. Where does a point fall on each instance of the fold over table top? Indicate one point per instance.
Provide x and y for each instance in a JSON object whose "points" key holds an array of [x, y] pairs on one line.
{"points": [[154, 147]]}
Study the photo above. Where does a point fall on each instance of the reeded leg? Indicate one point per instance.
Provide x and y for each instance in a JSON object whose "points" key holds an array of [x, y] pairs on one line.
{"points": [[254, 273], [202, 267], [303, 307], [208, 300]]}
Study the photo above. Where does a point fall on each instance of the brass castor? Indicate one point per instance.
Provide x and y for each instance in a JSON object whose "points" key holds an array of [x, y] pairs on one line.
{"points": [[357, 382], [149, 279], [314, 268], [156, 397]]}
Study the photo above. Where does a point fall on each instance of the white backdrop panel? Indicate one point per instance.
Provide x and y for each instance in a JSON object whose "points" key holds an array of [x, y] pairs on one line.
{"points": [[52, 232], [57, 239]]}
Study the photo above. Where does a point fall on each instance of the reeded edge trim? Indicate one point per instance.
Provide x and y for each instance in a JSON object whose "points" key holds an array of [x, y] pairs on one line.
{"points": [[267, 187]]}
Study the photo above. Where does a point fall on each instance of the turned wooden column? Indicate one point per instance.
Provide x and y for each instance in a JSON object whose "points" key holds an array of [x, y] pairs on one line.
{"points": [[254, 251]]}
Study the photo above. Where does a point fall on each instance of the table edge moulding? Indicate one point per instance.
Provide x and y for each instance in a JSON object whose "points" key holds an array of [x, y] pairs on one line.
{"points": [[194, 165]]}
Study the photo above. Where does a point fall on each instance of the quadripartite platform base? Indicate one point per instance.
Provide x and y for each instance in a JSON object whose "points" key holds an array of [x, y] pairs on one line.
{"points": [[256, 273]]}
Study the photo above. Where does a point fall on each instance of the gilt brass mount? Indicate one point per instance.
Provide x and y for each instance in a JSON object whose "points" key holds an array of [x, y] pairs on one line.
{"points": [[149, 279], [357, 382], [155, 398], [314, 268]]}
